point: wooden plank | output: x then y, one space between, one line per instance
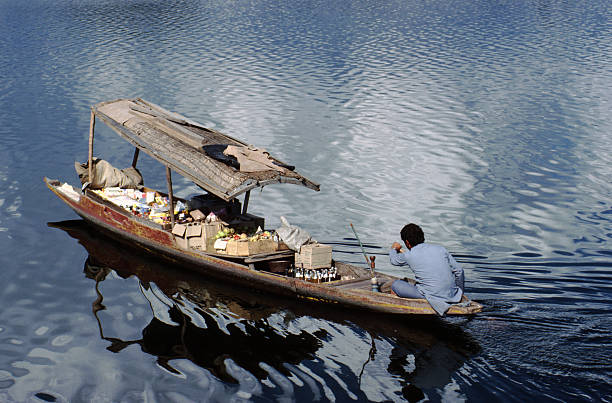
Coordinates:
178 118
214 173
269 256
355 283
119 111
178 133
155 110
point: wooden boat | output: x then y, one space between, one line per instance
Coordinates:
183 146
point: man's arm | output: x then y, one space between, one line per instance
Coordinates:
457 271
397 258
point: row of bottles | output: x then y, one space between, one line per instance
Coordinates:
314 275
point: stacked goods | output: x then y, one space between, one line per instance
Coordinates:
155 207
231 243
313 264
195 235
150 205
236 235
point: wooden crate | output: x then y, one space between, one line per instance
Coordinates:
314 256
244 247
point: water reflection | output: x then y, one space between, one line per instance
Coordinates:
172 334
215 326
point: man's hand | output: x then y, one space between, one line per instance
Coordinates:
397 247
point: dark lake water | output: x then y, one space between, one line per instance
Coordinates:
487 122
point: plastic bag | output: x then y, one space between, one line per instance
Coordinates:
293 236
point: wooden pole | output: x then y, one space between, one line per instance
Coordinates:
92 124
170 196
245 205
135 159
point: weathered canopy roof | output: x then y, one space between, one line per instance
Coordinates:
178 143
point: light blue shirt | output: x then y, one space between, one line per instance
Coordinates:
439 277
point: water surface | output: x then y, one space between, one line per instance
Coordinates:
486 122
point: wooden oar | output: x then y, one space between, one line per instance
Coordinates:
369 262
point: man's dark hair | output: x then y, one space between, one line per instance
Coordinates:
413 234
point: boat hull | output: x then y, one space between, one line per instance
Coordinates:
132 231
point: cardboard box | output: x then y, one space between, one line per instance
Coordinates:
195 235
314 256
209 230
197 215
244 247
210 245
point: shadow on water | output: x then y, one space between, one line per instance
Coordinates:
209 322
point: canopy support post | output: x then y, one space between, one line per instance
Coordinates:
135 159
170 196
92 124
245 205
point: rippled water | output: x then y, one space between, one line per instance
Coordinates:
486 122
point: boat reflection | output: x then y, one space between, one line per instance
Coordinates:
175 333
208 322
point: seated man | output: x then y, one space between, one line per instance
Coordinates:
439 278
